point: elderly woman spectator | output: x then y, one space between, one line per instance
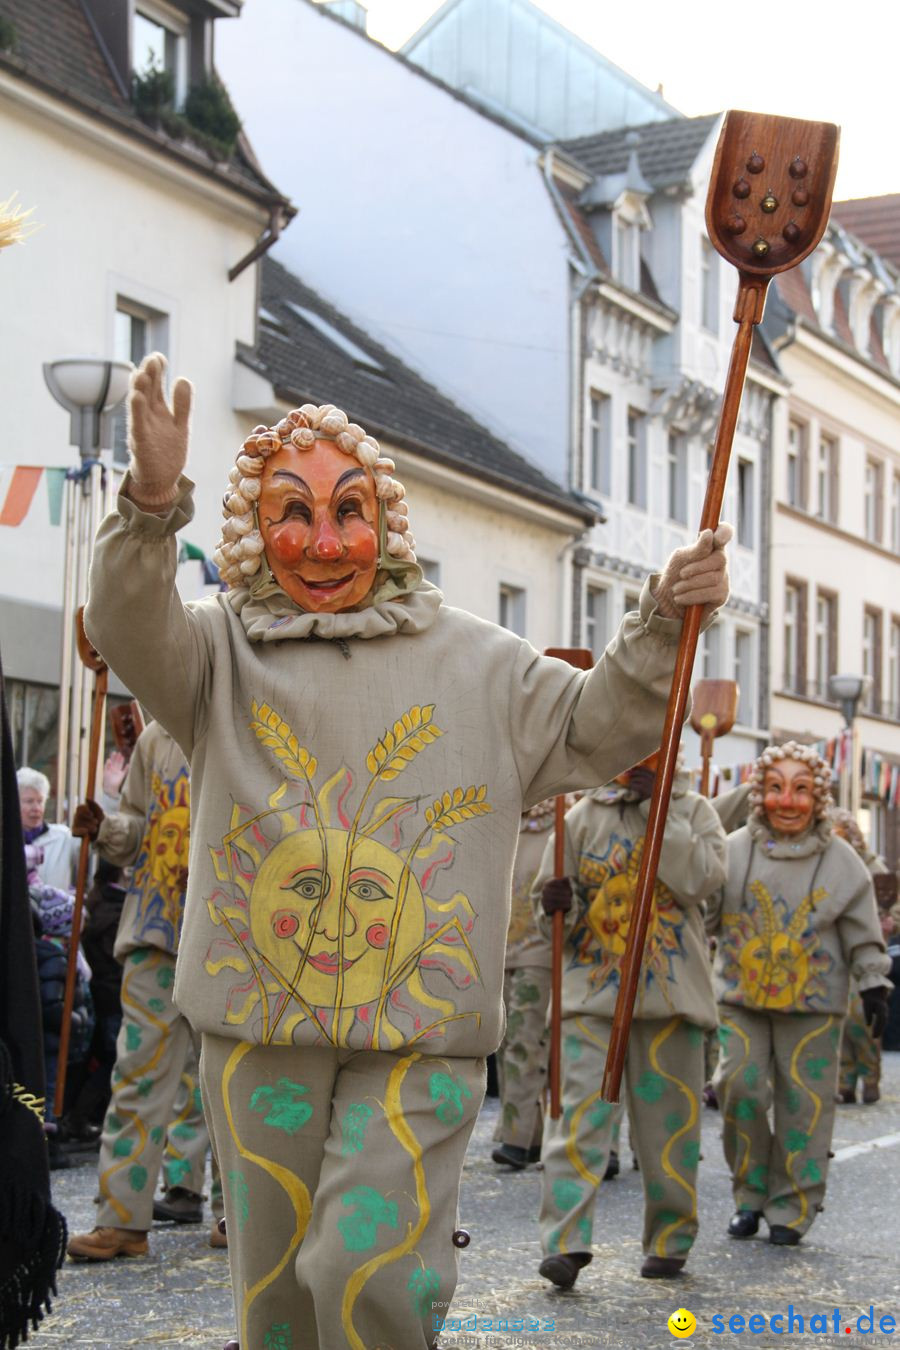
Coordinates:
59 864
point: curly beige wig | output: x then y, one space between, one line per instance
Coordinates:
805 754
239 554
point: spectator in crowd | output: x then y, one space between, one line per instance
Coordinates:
59 862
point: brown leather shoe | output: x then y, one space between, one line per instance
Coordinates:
871 1094
662 1267
102 1244
217 1236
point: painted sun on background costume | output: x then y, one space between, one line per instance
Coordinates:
160 869
326 909
776 961
609 881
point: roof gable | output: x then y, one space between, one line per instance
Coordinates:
666 152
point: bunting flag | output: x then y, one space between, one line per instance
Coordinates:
18 485
192 553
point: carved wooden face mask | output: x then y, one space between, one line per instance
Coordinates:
318 517
789 796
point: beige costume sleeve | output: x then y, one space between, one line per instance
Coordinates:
576 729
121 832
136 620
860 935
693 860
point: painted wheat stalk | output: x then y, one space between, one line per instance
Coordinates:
15 226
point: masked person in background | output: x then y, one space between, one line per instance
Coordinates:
361 755
150 832
795 919
664 1064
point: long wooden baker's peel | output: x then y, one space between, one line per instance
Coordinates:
767 208
583 659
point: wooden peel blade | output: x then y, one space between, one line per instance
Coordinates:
583 659
714 705
767 207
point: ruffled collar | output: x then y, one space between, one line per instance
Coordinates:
815 840
273 617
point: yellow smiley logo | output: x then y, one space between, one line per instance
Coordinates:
682 1323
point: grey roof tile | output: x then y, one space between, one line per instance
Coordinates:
666 152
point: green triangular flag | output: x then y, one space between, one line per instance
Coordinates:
190 553
56 482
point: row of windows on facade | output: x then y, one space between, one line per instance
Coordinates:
821 497
599 627
879 698
599 466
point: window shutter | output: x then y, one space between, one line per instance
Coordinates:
879 503
802 635
833 482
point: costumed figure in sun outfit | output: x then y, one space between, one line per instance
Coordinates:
675 1006
151 830
361 755
795 919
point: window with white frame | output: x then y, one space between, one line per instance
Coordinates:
599 458
137 331
894 670
712 646
677 466
512 609
636 444
709 287
874 491
746 505
827 478
794 636
159 43
743 674
825 633
795 486
872 621
895 512
596 619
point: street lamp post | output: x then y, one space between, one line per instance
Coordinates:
847 690
90 389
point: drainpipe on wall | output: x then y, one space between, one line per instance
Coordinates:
265 241
764 711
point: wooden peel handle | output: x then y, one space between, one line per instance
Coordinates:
559 853
748 312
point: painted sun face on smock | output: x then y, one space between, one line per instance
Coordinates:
160 867
609 883
318 516
295 910
771 957
328 901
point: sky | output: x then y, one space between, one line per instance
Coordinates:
804 58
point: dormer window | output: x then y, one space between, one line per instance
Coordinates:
160 43
630 216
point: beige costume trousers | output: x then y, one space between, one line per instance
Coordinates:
522 1057
341 1172
664 1079
789 1061
153 1044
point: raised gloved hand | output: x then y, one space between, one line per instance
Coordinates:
87 820
641 782
696 575
556 896
875 1010
114 771
157 434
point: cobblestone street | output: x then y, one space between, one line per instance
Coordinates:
180 1294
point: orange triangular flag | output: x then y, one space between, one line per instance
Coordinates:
21 491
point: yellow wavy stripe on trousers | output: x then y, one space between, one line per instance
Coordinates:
405 1137
124 1213
572 1151
817 1111
741 1171
297 1191
655 1045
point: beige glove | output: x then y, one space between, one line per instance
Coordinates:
157 434
696 575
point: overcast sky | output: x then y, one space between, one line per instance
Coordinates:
800 58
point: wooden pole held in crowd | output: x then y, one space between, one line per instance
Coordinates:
767 207
583 658
93 661
714 705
